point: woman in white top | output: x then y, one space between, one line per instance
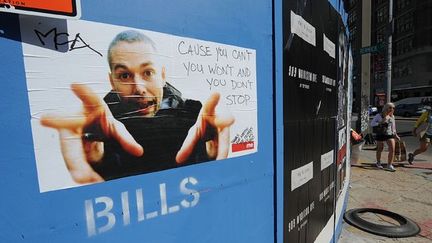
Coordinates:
384 124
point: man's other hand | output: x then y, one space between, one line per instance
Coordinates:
209 117
79 151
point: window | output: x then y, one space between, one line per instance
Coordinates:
402 69
352 33
404 23
380 77
381 35
379 2
382 14
401 4
395 71
404 46
352 17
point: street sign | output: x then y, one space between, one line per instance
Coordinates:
372 49
56 9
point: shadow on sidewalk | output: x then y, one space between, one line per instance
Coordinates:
404 164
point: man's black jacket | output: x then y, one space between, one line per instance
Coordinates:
161 136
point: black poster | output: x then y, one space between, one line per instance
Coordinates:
308 206
310 59
310 99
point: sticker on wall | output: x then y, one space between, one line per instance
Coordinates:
111 101
303 29
329 47
327 159
56 9
301 176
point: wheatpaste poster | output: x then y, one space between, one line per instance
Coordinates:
109 101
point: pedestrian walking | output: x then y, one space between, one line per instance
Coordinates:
422 130
384 126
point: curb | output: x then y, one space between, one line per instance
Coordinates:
355 118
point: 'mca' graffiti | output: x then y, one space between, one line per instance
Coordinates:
76 43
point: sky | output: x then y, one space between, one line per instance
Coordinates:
339 7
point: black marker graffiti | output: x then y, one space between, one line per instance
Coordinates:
77 43
246 136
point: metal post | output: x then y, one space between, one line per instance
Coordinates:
365 74
389 51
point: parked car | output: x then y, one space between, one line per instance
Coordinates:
415 100
408 110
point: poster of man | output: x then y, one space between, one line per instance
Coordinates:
130 102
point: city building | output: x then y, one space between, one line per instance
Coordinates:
354 10
411 68
411 48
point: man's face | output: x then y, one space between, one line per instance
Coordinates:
137 76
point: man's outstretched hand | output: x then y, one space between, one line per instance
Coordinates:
77 151
209 118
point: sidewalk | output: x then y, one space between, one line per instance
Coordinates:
408 192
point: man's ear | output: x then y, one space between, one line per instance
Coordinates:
111 81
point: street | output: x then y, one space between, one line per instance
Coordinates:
406 191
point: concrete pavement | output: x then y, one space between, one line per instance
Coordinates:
408 192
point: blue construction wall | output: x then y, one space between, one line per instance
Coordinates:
228 200
249 196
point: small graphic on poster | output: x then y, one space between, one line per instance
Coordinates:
110 101
244 141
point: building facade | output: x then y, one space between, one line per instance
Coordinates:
411 69
354 10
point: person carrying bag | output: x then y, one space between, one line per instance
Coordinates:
384 126
423 130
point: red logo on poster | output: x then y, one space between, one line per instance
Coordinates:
68 8
243 146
